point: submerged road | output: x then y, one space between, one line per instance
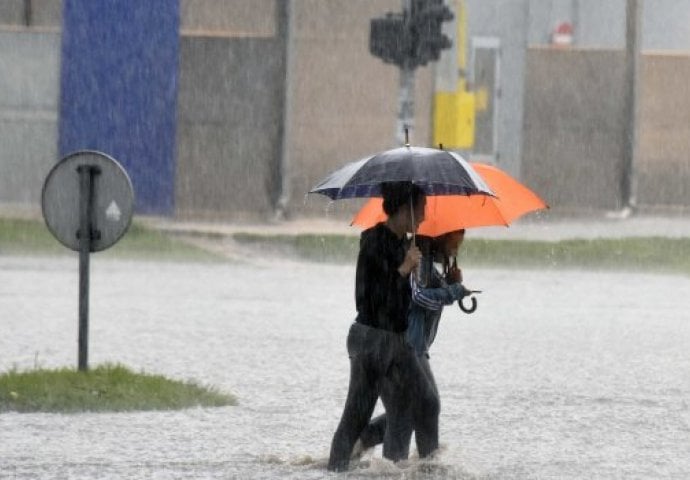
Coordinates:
559 374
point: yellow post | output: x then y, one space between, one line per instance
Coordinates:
454 112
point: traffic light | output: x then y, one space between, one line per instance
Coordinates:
412 38
389 39
427 17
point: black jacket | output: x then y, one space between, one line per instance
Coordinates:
382 296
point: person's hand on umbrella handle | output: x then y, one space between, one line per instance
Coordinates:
454 275
412 260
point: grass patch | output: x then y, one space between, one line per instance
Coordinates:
104 388
659 254
319 248
141 242
22 235
25 236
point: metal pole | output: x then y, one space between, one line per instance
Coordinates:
86 173
285 17
28 13
632 48
575 20
405 104
405 92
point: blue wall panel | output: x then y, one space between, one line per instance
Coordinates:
119 89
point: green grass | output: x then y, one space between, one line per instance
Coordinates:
26 236
144 243
104 388
22 235
321 248
658 254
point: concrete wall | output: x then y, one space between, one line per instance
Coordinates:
663 149
522 23
342 101
574 124
29 66
29 84
596 23
518 24
574 129
508 21
341 105
228 18
665 24
230 107
41 13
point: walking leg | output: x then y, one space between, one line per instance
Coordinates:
360 403
427 407
396 396
374 432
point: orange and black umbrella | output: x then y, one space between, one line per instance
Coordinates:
446 213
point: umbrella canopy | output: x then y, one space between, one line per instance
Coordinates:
447 213
437 172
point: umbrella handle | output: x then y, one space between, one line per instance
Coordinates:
469 309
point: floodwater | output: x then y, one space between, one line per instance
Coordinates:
559 374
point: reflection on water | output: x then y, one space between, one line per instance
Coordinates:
558 374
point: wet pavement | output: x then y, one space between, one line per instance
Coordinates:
565 375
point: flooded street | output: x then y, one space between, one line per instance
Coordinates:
201 130
559 374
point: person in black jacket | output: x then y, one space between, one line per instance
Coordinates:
380 358
430 294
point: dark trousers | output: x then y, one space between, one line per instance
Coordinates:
381 364
425 408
